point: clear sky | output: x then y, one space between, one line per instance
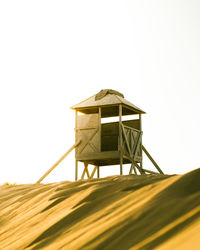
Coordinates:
54 54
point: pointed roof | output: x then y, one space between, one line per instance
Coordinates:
106 98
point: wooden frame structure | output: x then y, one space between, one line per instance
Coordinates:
112 143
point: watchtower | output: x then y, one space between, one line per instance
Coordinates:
110 143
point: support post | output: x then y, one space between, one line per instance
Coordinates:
93 172
132 168
152 160
120 139
99 129
140 118
58 162
76 170
85 171
76 162
98 172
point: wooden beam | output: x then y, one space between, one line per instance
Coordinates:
86 170
76 162
59 161
93 172
76 170
83 174
134 129
152 160
139 168
120 139
150 172
133 168
140 118
135 164
99 129
137 145
126 140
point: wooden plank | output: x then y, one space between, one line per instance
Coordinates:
152 160
89 139
135 163
141 162
130 171
93 172
126 140
76 135
83 174
86 170
132 141
134 129
87 121
58 162
76 170
120 139
94 148
150 172
132 123
137 145
76 162
98 155
139 168
99 125
133 168
80 129
140 122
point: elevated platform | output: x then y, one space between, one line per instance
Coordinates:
105 158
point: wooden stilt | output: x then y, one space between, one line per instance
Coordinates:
59 161
150 172
93 172
83 174
98 172
152 160
120 139
86 170
76 170
140 118
133 168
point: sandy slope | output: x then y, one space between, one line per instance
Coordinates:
118 212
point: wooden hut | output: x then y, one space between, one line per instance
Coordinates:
108 143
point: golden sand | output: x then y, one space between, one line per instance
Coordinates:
118 212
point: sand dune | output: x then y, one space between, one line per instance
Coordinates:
118 212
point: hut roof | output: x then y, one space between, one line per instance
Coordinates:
107 98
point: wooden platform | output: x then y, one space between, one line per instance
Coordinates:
103 158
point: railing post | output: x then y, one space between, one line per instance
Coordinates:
120 139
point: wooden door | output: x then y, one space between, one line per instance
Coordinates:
89 133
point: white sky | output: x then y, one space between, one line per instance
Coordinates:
54 54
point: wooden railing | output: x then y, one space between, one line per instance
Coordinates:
131 141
